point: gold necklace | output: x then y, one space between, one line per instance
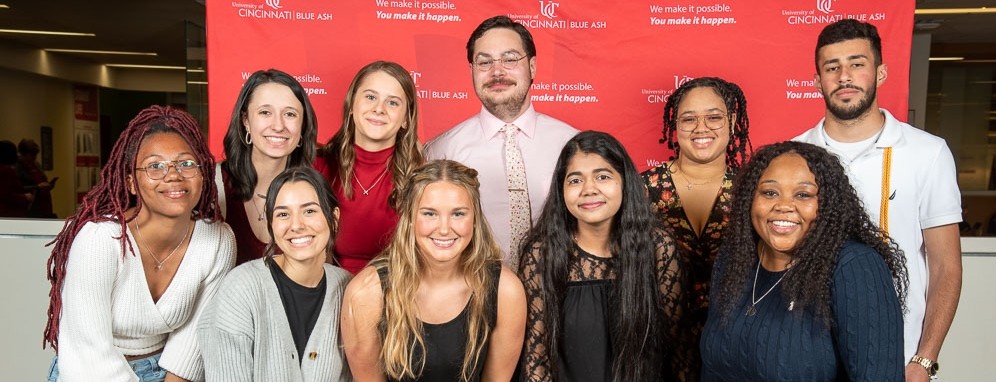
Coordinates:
688 183
366 191
159 264
255 207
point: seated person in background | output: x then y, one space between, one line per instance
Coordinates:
133 268
376 149
438 305
277 318
14 200
34 180
806 287
604 286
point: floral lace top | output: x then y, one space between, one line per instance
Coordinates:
585 345
697 252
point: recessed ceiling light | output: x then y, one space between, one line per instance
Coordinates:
192 70
146 66
25 31
946 58
100 52
197 82
953 11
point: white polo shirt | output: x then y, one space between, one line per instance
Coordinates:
923 194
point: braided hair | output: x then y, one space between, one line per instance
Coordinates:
109 199
739 146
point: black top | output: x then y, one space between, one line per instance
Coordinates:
301 304
589 308
776 344
446 343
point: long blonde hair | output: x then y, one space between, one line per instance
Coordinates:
407 149
400 328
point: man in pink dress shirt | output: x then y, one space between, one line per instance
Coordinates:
502 59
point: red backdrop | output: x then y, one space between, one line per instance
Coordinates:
605 66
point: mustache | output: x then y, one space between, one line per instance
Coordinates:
848 86
499 81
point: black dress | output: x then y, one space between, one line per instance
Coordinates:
446 343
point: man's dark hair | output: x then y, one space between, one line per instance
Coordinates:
849 29
501 22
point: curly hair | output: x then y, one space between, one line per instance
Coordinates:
408 151
636 299
739 147
238 154
109 199
840 217
400 328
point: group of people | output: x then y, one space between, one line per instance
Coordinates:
25 190
485 255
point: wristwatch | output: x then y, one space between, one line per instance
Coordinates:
929 364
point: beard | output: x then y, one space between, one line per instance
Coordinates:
505 105
853 109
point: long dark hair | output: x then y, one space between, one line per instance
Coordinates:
339 150
840 217
238 154
326 201
636 303
109 199
739 146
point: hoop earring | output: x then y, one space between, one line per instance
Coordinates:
248 139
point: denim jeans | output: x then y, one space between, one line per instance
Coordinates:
147 369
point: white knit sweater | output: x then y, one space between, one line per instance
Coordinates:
108 312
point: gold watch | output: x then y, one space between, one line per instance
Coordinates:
927 363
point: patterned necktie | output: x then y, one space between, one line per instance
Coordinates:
518 196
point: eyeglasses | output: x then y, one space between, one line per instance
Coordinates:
507 62
187 168
688 123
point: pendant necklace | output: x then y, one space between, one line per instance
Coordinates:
751 310
260 216
688 183
366 190
159 264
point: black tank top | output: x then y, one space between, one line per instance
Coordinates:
446 343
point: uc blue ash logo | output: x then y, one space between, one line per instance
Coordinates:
549 9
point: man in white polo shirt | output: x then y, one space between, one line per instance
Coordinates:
906 178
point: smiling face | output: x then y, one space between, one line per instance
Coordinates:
444 222
300 228
785 203
379 111
504 92
274 117
699 109
592 190
848 78
173 196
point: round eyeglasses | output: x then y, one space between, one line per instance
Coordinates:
508 62
187 168
688 123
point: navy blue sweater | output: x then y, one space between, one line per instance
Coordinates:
864 344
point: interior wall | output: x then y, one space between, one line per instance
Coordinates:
32 101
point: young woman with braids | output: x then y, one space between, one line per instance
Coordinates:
806 287
437 305
603 286
277 318
369 159
273 128
706 124
133 267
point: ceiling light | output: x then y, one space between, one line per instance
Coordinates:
145 66
197 82
193 70
101 52
4 6
946 58
953 11
25 31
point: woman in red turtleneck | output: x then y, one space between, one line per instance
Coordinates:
370 157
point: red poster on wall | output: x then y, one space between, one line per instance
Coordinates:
87 138
606 66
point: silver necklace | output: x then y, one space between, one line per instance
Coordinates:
258 212
159 264
751 310
366 190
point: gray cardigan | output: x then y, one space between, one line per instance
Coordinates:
244 334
